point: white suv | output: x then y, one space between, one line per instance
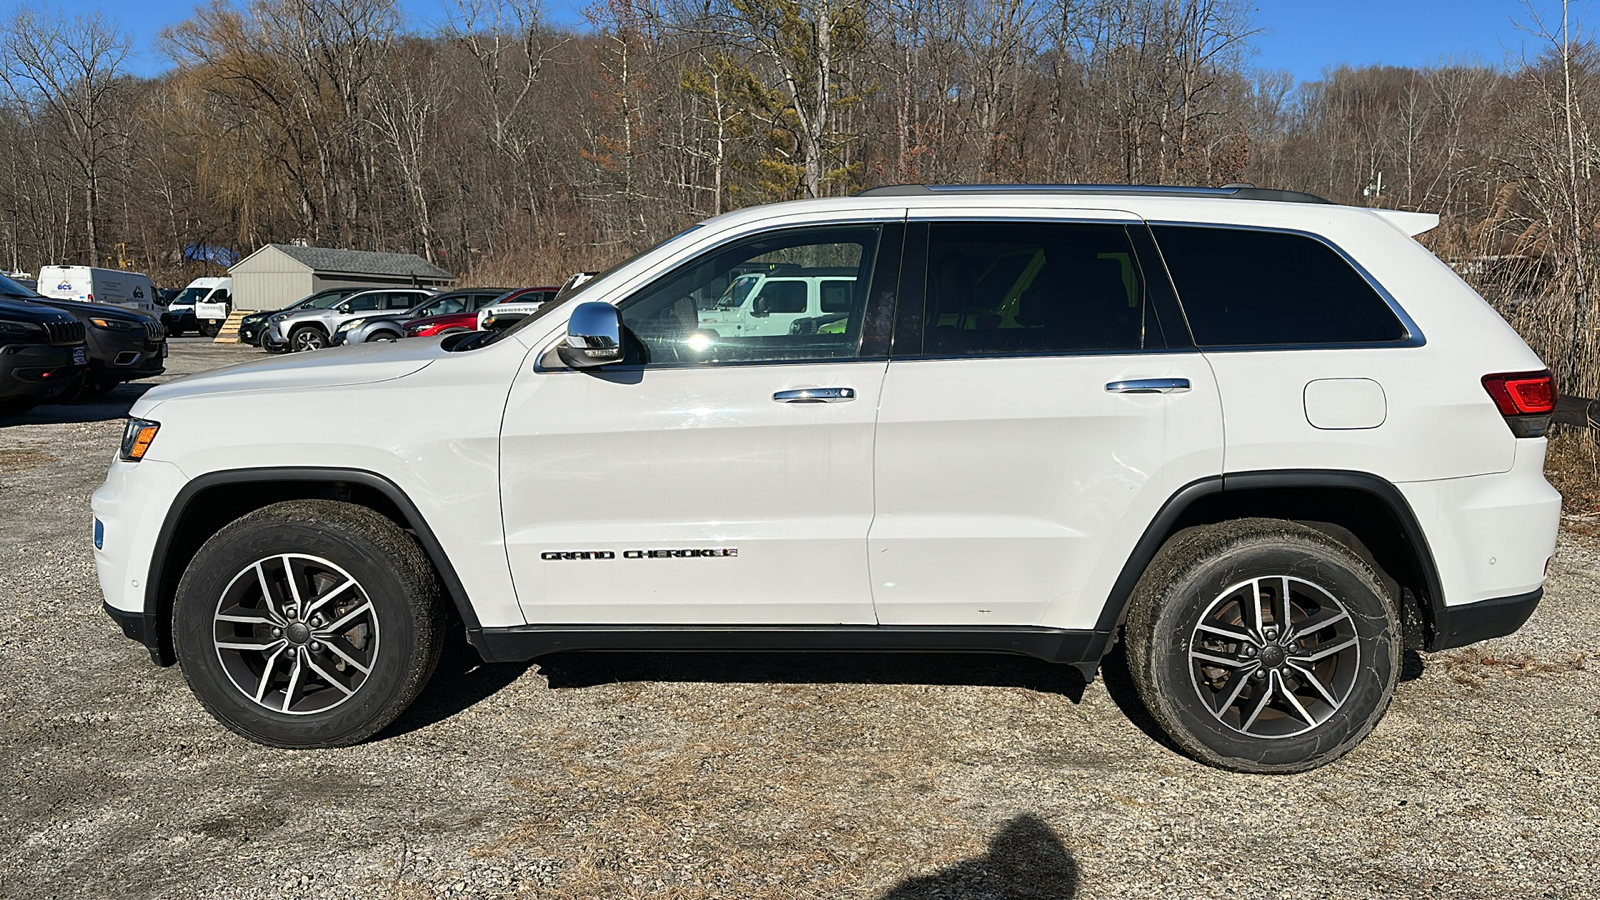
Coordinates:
1268 441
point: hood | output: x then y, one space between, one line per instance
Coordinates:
29 311
83 310
343 366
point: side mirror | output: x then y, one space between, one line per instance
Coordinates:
758 306
594 336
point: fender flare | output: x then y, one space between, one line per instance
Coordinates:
158 608
1171 512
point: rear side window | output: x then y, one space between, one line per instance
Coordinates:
998 288
1241 287
781 297
838 296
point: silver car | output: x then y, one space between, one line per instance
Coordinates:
313 329
391 326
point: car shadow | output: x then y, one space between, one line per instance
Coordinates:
461 680
576 670
1025 858
114 404
1119 687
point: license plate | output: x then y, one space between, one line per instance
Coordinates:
80 356
163 349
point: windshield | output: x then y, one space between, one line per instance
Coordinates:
737 291
443 306
491 337
11 289
188 296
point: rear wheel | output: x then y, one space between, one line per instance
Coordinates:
310 623
1263 646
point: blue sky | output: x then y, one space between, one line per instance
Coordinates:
1304 37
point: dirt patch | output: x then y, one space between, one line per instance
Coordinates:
20 459
1473 666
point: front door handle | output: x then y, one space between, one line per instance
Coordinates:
815 395
1149 386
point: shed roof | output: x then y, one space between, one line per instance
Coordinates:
362 262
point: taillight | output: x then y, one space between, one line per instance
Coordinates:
1526 399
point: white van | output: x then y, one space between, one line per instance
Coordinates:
203 305
130 290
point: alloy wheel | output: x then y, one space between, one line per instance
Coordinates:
1274 656
296 634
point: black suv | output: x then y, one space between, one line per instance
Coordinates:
41 355
123 344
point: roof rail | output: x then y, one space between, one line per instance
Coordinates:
1230 191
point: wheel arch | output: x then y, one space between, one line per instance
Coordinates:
211 501
1359 509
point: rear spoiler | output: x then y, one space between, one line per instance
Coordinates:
1412 223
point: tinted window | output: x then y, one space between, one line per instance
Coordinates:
1010 288
780 297
402 301
1241 287
685 317
837 295
365 302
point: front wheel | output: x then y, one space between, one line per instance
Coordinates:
1261 645
383 337
309 623
307 337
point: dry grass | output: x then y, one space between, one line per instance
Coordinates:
1474 666
1572 464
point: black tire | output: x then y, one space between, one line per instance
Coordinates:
209 329
1348 642
97 387
382 336
398 624
307 337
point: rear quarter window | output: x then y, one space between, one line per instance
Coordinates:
1244 287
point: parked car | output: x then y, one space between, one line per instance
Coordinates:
773 302
509 310
130 290
124 344
42 354
255 328
202 306
432 326
1264 441
311 329
391 326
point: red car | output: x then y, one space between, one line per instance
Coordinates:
437 325
433 326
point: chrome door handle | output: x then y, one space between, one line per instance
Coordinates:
1149 386
815 395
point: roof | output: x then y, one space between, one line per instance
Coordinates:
1233 191
363 262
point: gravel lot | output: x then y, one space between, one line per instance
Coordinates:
751 776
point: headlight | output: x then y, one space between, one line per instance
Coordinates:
115 325
347 326
20 329
136 438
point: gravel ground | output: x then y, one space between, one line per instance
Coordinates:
647 775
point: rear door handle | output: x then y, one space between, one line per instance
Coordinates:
1149 386
815 395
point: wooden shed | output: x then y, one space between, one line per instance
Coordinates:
279 274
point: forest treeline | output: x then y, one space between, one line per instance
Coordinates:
508 150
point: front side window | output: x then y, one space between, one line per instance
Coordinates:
1243 287
1016 288
759 300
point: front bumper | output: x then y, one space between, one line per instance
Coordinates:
37 371
125 356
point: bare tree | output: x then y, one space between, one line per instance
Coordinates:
71 72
